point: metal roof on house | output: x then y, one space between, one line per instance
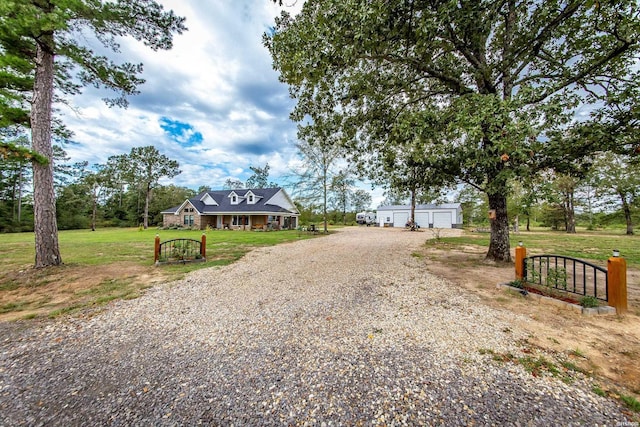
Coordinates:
429 206
224 206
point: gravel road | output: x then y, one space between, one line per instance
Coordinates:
342 330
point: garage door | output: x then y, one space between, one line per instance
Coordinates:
442 220
422 218
400 219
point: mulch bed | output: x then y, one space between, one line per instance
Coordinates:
565 298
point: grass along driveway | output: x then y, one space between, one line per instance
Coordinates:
108 264
592 246
607 347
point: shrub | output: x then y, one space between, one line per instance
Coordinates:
589 301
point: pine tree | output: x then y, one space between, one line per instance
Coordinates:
40 48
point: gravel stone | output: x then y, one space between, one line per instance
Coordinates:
347 329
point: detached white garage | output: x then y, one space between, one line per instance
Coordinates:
448 215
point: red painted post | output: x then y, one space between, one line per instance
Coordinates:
617 280
203 246
156 251
521 254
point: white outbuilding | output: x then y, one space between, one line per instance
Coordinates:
447 215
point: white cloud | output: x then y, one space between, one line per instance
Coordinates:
217 81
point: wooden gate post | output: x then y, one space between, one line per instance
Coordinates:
617 282
203 246
521 254
156 251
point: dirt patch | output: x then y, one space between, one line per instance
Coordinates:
36 292
606 346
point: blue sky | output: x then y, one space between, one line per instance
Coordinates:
213 102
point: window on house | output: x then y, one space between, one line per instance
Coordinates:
237 220
188 220
250 198
234 199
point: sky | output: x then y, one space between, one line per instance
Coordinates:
213 102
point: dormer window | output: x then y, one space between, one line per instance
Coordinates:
251 198
234 198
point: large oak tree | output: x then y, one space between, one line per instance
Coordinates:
45 52
502 72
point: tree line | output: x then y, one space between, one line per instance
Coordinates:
118 192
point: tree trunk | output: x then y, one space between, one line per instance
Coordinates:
571 214
94 210
627 214
325 174
499 249
44 200
20 196
146 207
413 209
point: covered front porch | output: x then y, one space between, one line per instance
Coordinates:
249 222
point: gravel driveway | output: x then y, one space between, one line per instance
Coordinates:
342 330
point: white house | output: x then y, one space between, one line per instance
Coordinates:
448 215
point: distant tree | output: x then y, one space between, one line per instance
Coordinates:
81 191
73 206
523 198
342 192
618 176
15 176
165 196
64 171
98 183
203 188
361 200
145 166
233 184
566 186
42 44
116 167
260 178
474 207
320 156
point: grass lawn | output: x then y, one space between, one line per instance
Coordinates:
594 246
107 264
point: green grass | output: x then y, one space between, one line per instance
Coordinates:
109 245
537 366
631 402
82 249
592 245
596 389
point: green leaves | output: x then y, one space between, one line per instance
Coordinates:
467 90
72 22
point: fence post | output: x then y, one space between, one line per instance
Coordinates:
203 246
617 282
156 251
521 254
